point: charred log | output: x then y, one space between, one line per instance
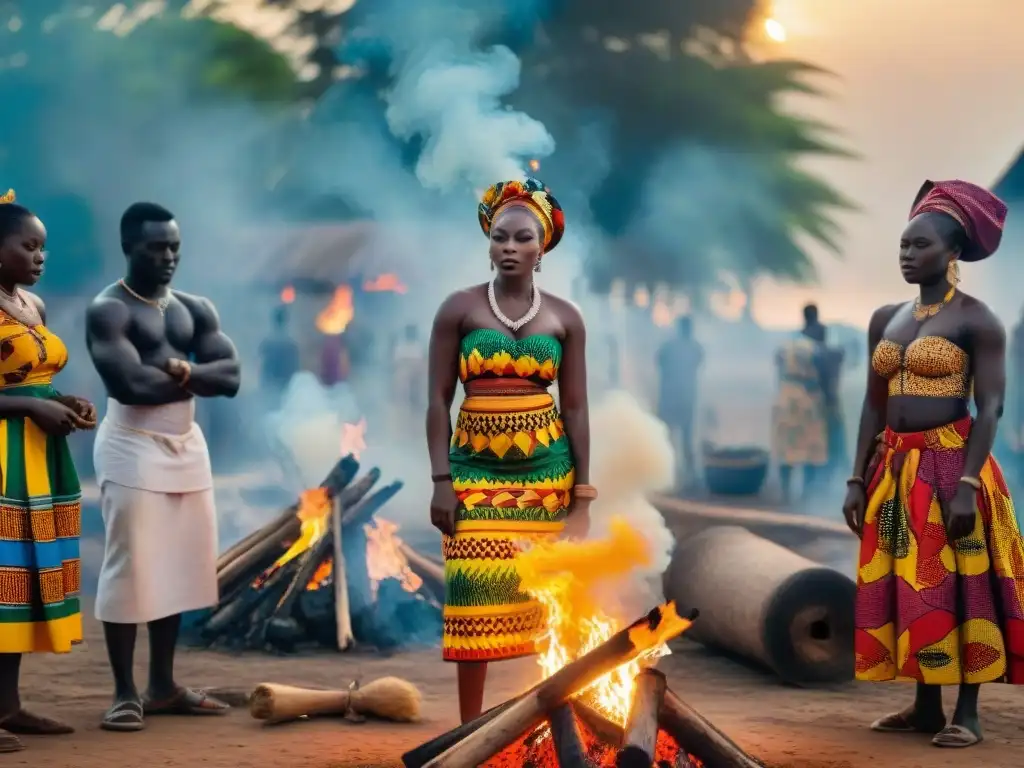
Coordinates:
641 738
565 734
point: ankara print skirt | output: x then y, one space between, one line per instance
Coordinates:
928 610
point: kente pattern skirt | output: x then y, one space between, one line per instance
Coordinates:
40 526
927 610
513 473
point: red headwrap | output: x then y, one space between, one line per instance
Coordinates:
977 210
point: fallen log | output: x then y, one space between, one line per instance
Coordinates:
697 736
424 753
342 614
788 613
658 627
641 737
565 735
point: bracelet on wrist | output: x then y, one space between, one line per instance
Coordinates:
442 477
855 480
584 491
974 482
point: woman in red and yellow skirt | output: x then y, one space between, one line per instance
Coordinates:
940 585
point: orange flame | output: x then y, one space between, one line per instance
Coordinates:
313 513
641 297
353 439
564 576
287 294
336 316
535 165
386 283
384 558
662 314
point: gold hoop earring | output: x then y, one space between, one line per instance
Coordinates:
953 272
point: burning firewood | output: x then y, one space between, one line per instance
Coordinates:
641 738
427 751
427 569
565 734
688 727
389 698
658 627
254 553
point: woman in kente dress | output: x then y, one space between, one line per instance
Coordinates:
514 469
40 516
940 585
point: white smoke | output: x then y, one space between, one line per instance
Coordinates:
631 456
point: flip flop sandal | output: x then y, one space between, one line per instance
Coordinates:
896 723
956 737
187 702
9 742
26 724
124 716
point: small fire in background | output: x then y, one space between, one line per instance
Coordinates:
335 317
641 297
288 295
535 165
662 314
313 512
353 438
384 558
386 283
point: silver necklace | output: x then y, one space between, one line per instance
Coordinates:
513 325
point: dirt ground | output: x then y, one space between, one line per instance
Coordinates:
782 726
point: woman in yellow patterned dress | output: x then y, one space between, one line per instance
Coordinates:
40 515
513 469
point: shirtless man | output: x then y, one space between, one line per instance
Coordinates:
156 350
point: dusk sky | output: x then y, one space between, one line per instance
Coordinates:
926 89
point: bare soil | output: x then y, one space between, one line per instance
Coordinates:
783 726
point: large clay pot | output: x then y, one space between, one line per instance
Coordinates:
735 471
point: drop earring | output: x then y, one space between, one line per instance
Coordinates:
537 268
492 266
953 273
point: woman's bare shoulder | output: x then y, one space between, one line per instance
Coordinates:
568 311
979 314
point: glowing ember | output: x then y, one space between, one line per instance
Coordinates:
641 297
321 575
775 30
287 295
384 558
565 576
353 439
313 513
535 165
386 283
336 316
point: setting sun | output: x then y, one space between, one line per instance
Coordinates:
774 29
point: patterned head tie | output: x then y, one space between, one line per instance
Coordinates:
8 198
530 194
978 211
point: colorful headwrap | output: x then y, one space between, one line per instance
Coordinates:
530 194
8 198
977 210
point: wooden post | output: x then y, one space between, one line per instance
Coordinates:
341 610
641 740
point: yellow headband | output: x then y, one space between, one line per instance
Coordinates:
544 217
8 198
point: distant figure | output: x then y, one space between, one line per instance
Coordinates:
800 415
679 362
409 362
833 367
279 355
